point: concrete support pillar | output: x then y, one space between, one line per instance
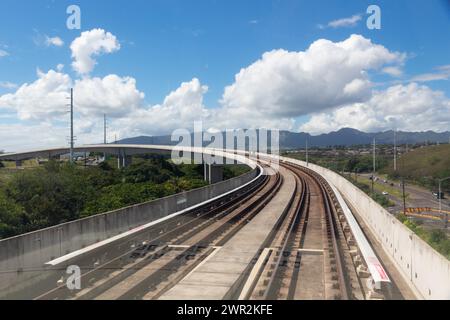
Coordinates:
127 160
213 173
119 159
206 172
123 160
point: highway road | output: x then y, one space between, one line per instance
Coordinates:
417 197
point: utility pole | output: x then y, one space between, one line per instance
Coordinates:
104 129
404 196
71 126
336 157
307 158
440 202
104 134
440 196
374 164
374 155
395 150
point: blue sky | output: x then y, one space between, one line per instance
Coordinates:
166 42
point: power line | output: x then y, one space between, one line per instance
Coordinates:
307 158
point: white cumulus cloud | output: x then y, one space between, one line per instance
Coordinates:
331 81
90 44
113 95
46 98
179 109
285 84
407 107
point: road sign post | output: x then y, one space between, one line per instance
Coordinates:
440 202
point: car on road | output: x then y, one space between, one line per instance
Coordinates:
438 195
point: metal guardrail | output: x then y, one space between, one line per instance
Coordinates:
426 209
424 216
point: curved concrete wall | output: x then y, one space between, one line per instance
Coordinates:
23 256
427 271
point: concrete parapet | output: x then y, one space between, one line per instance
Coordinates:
213 173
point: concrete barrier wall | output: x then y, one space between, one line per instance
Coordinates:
23 256
427 271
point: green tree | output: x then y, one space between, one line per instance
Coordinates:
12 217
49 195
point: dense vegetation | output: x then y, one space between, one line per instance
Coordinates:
55 193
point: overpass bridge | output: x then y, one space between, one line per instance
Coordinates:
285 230
123 153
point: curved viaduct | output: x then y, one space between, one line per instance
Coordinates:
245 225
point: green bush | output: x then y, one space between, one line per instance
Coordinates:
12 217
438 239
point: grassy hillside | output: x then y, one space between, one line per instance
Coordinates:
424 166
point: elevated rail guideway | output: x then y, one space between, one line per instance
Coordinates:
286 230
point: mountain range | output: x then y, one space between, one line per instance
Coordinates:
342 137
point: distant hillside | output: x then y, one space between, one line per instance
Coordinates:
343 137
424 165
159 140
